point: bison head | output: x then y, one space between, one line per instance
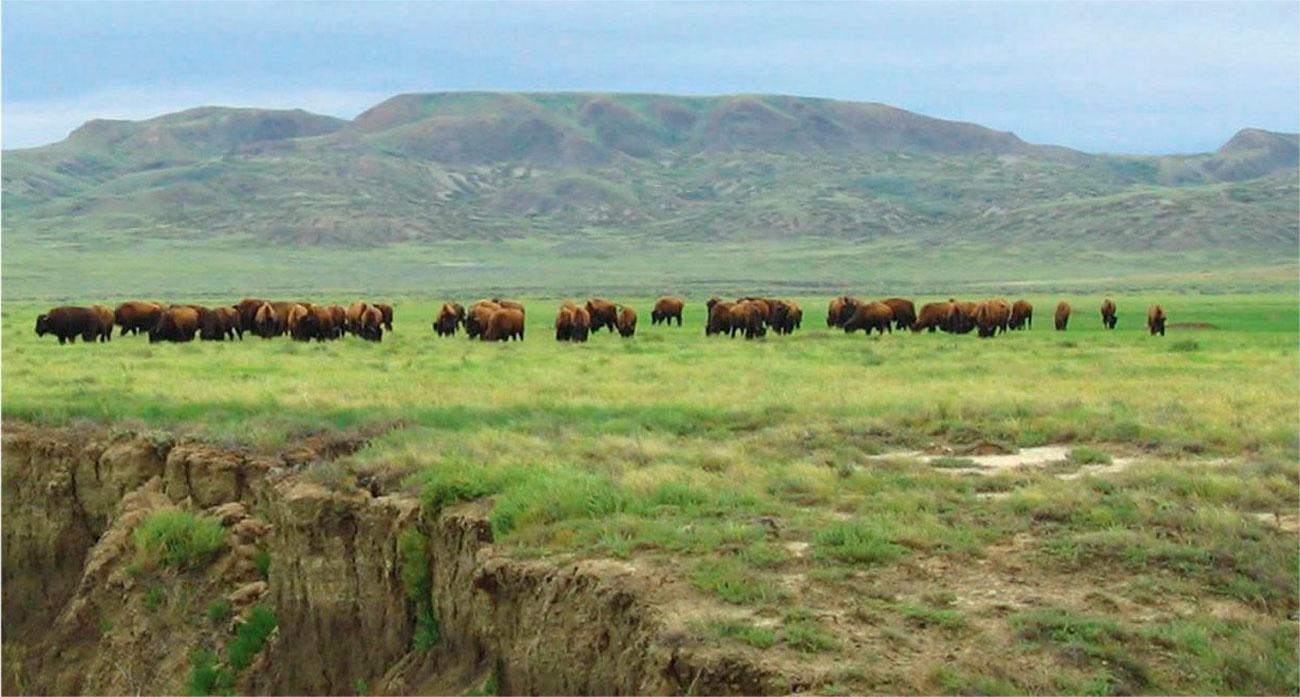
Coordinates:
42 325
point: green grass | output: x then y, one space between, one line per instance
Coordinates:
744 632
250 637
219 611
1087 455
179 539
206 677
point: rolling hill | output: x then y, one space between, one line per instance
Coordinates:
555 173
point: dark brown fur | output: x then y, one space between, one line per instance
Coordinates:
1156 320
666 310
1108 316
505 324
604 314
136 316
904 312
626 322
1062 315
177 323
1022 315
869 316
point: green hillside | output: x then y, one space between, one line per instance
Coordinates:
696 188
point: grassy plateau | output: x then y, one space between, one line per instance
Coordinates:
787 482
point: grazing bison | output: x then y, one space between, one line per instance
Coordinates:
1108 318
447 320
719 317
904 312
1156 320
626 322
1022 315
992 317
371 324
764 307
962 319
476 321
266 322
211 327
69 322
869 316
299 322
247 309
339 320
323 321
934 316
1062 315
177 323
231 321
136 316
505 324
666 310
747 317
783 318
386 311
581 324
564 322
604 314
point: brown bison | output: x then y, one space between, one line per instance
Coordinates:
177 323
266 322
581 324
719 317
666 310
247 309
448 318
934 316
353 314
386 311
626 322
764 307
869 316
299 322
1022 315
339 320
840 310
1108 318
230 319
904 312
1062 315
1156 320
211 326
370 326
476 321
604 314
962 319
136 316
69 322
323 322
747 317
564 322
104 318
992 317
786 316
505 324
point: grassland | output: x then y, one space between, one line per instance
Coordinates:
777 479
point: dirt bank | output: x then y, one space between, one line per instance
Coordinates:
83 616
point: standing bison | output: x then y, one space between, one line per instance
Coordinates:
1062 315
177 323
68 322
934 316
449 316
1108 318
747 318
719 317
1156 320
604 314
869 316
564 322
840 310
581 324
962 319
1022 315
476 320
266 321
904 312
135 316
505 324
992 317
666 310
786 316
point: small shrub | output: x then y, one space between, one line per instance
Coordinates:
154 597
262 561
362 687
250 637
427 631
734 582
949 462
856 543
219 611
809 638
925 616
758 637
180 539
206 678
1185 346
1086 455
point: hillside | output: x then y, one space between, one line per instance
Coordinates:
566 171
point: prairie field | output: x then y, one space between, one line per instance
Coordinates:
827 497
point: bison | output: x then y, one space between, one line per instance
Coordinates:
69 322
581 324
370 326
211 326
1062 315
719 321
505 324
1156 320
904 312
267 322
386 311
626 322
176 323
247 309
934 316
962 319
747 317
840 310
604 314
1108 318
1022 315
447 320
992 317
869 316
564 322
666 310
136 316
476 321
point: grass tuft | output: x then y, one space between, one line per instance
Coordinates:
180 539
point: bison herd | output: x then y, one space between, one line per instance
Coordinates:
503 320
302 321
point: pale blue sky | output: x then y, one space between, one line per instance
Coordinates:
1131 77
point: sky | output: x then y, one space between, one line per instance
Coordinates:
1141 78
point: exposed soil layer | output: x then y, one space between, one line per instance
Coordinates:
84 616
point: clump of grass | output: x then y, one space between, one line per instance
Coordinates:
759 637
1185 346
949 462
928 616
219 611
180 539
154 598
1088 455
856 543
262 562
413 552
803 632
206 678
250 637
734 582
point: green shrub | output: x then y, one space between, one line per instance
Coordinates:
926 616
759 637
856 543
154 597
250 637
734 582
427 631
206 678
808 637
180 539
949 462
219 611
262 561
1086 455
